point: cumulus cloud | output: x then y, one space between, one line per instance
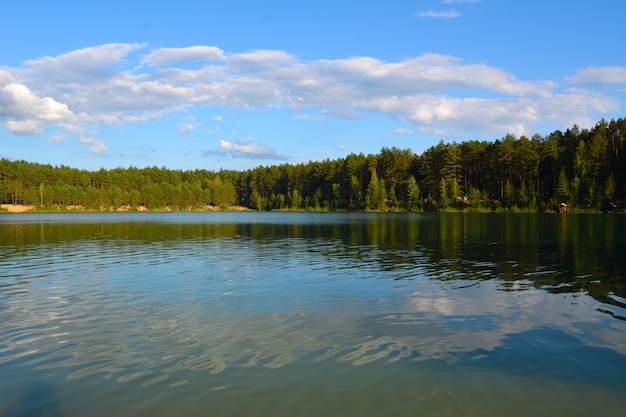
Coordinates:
247 149
25 113
108 84
24 127
6 77
18 101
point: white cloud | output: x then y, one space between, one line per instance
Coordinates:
438 93
245 149
24 127
599 76
96 146
6 77
573 107
57 138
309 116
432 130
186 127
401 131
25 113
169 56
443 14
71 70
260 60
18 101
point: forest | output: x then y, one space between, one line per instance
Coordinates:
584 169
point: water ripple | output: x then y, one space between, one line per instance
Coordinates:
156 313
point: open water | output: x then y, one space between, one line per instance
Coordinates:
312 314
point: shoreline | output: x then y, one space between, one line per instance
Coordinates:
23 208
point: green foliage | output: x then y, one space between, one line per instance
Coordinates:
584 168
376 196
414 202
562 188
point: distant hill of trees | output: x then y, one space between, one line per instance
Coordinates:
586 169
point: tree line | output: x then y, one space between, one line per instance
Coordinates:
585 169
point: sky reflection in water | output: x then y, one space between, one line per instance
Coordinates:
156 300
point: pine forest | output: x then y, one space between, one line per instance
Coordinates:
583 170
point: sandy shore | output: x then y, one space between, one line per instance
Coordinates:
16 208
20 208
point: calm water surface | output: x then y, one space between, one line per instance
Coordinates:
302 314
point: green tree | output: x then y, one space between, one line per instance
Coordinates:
134 197
257 201
356 193
414 202
477 199
376 195
296 199
562 188
443 200
15 189
508 198
523 196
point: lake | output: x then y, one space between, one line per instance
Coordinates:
312 314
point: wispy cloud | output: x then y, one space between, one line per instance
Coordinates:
186 127
442 14
169 56
400 132
95 146
309 116
599 76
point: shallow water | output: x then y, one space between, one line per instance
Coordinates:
303 314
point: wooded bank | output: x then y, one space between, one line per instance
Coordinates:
585 169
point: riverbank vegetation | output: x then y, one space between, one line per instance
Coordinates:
577 170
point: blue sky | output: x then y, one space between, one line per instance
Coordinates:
238 84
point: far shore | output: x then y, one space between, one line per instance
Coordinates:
21 208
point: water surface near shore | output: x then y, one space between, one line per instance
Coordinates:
308 314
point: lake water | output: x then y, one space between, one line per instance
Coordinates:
312 314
